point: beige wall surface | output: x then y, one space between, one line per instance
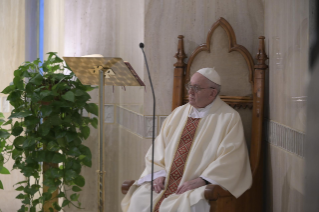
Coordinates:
285 173
53 27
11 39
287 38
11 56
287 41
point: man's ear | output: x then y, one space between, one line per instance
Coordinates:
214 93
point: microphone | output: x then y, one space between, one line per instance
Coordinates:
153 134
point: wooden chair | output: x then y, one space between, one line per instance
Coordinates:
221 200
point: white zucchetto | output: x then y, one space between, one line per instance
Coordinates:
211 74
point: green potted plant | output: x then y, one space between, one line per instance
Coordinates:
5 147
49 129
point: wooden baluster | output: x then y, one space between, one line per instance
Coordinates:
179 74
256 152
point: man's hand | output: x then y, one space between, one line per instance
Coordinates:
158 184
190 185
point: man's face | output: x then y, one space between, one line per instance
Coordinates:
203 97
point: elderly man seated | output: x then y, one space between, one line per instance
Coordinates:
200 143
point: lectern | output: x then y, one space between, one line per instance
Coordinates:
103 71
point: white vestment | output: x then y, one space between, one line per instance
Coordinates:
218 154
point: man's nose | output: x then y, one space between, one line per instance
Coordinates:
191 91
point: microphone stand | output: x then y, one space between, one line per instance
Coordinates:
153 134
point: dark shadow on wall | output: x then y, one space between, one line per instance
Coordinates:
311 203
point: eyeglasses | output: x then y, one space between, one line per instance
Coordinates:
195 88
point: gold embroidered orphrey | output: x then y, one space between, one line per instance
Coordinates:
177 169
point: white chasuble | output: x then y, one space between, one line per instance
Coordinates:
218 152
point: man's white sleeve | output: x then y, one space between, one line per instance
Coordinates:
148 177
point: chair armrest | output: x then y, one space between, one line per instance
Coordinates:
126 186
213 192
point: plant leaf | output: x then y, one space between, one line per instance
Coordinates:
58 158
70 175
22 114
45 128
19 141
68 96
20 196
14 96
85 151
94 122
61 142
20 188
4 134
74 152
37 79
45 93
4 170
46 110
70 136
65 203
74 197
76 189
39 156
79 181
1 185
31 122
53 146
2 121
56 206
61 194
53 120
8 122
16 153
18 83
16 130
92 108
8 89
55 173
85 131
85 160
29 142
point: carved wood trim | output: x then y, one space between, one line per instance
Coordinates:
126 186
235 102
233 46
238 101
178 84
214 192
258 104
